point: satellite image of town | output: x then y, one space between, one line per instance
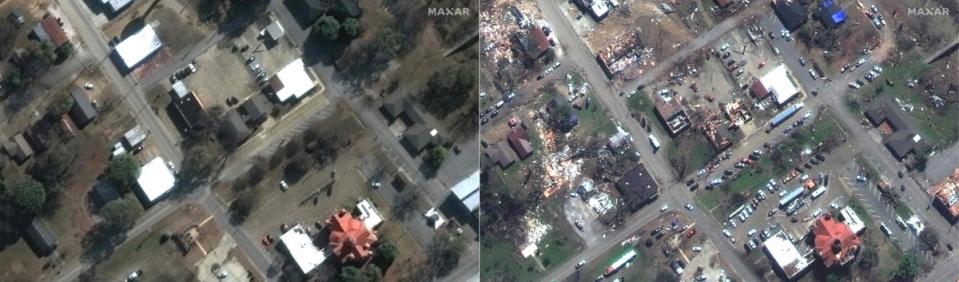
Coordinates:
719 140
239 140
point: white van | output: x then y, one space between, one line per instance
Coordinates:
654 142
751 232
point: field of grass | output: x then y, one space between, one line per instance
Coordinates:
709 201
639 102
688 152
502 259
595 121
860 210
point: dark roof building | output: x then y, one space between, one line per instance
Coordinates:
500 154
402 110
103 192
49 29
234 130
723 3
536 44
758 90
791 13
899 133
188 110
519 141
254 110
672 115
40 238
419 137
829 14
82 112
637 187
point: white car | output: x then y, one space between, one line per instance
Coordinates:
727 233
688 206
135 275
663 208
284 186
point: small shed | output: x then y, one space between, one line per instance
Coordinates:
18 148
40 238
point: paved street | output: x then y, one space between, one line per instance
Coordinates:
162 135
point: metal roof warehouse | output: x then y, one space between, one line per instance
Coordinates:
134 49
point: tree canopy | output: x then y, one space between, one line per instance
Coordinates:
28 194
448 89
351 27
120 214
328 28
123 171
369 273
433 160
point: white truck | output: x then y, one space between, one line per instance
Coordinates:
654 142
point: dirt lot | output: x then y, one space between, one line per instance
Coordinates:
930 31
661 33
161 259
221 75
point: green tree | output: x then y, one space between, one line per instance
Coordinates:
28 194
123 171
243 204
448 89
384 254
351 27
120 214
929 239
444 254
328 28
868 257
370 273
908 267
432 161
63 52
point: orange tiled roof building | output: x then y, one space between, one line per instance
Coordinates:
350 240
836 244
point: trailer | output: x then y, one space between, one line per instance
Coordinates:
784 115
818 192
791 196
620 262
654 142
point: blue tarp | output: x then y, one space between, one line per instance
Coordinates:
839 17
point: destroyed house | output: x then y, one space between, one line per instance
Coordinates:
671 114
947 196
637 187
615 57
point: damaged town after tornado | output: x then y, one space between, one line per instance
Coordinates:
479 140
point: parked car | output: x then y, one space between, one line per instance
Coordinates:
284 186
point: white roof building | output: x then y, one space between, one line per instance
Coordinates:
134 137
368 213
852 220
134 49
293 81
155 179
785 256
467 191
116 5
179 87
274 30
778 83
306 255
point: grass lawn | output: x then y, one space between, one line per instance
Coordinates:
903 211
708 201
18 263
688 153
639 102
860 210
556 249
502 259
594 121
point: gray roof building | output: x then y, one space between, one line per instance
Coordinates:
40 238
82 112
